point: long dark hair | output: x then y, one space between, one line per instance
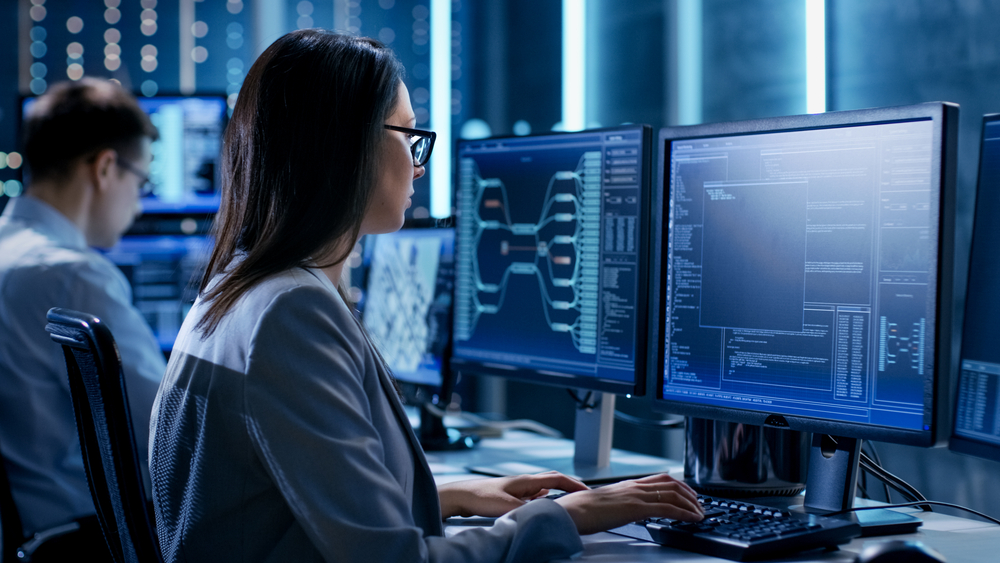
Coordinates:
300 158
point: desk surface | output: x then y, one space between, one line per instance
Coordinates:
959 539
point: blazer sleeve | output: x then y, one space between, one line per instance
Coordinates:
309 419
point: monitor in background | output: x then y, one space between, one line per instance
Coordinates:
406 308
165 252
805 280
977 407
185 168
551 272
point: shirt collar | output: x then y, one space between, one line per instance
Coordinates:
45 218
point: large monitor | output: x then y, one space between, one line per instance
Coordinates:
977 408
552 265
804 279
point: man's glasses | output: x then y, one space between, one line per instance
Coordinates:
421 143
146 187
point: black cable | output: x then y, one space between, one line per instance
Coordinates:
586 403
881 472
878 461
906 504
904 488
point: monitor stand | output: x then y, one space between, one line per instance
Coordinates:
593 461
436 437
832 483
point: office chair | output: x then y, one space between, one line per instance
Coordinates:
11 534
104 424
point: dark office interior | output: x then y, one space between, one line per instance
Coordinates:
656 62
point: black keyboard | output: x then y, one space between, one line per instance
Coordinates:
743 531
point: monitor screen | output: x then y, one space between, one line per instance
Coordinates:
551 260
805 275
185 167
406 305
977 409
164 271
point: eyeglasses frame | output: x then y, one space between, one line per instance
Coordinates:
416 133
146 187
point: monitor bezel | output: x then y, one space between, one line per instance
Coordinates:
957 442
637 387
944 116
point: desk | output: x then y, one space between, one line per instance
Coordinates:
961 540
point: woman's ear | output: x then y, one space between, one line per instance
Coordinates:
103 166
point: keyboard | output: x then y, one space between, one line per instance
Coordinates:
744 531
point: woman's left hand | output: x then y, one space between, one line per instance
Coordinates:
496 497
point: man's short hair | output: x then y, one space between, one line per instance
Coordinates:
75 119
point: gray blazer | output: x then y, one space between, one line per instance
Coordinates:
280 438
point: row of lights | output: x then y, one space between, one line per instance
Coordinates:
13 160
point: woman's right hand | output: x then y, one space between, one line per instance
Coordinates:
656 496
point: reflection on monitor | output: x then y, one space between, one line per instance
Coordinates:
185 167
407 302
805 276
551 271
977 411
164 271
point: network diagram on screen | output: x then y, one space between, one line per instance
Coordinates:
799 266
548 252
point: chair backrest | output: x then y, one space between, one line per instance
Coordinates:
104 424
11 534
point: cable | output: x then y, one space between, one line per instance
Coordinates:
906 504
908 491
586 403
878 461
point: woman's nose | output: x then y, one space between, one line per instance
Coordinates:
418 171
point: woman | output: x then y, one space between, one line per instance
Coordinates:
278 434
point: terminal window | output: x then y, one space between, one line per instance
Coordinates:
799 265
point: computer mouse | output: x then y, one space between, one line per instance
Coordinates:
899 551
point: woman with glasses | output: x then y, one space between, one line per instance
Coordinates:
278 433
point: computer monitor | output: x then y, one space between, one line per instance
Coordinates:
406 307
185 170
552 267
804 279
164 253
977 407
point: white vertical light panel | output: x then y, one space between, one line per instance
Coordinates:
689 62
440 169
574 65
186 45
815 56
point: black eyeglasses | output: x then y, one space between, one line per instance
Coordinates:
421 143
146 187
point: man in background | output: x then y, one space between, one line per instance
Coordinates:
87 148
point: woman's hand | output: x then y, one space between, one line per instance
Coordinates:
656 496
496 497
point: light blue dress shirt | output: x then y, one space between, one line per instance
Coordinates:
44 263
